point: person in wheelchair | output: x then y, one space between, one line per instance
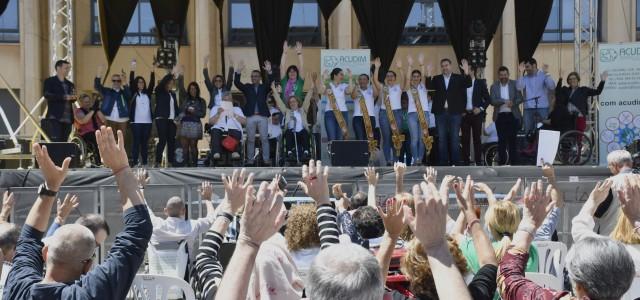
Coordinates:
226 132
295 119
87 119
560 119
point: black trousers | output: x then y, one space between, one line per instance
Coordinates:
166 137
471 124
217 136
56 130
303 141
507 126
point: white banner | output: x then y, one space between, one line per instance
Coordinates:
619 113
358 60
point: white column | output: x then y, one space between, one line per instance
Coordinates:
340 26
30 57
509 42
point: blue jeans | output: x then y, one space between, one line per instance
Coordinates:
359 128
141 134
417 146
448 126
331 125
530 118
385 128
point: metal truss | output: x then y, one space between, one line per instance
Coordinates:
61 35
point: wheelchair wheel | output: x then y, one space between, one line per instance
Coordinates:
575 148
491 157
83 149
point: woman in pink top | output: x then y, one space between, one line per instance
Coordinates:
88 118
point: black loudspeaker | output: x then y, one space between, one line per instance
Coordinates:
59 151
349 153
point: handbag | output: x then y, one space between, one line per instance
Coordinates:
230 143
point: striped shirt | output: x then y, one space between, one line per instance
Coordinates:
328 225
207 271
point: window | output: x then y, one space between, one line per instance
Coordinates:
304 25
560 26
142 28
425 25
10 23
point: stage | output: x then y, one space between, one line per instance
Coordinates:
98 193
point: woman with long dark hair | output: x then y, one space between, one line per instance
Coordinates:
390 93
219 85
192 109
141 116
577 97
292 81
165 112
336 110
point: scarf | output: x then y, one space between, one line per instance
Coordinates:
289 89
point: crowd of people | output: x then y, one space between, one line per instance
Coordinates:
343 249
406 115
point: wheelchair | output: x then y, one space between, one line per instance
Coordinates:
87 151
286 160
225 157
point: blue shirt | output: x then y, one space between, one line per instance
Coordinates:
109 280
537 85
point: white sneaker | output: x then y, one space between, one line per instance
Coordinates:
235 155
216 156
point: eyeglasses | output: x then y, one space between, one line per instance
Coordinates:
116 80
218 80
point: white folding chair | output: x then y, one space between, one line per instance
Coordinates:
168 259
544 280
634 291
157 287
551 258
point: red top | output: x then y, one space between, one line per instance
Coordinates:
513 285
88 127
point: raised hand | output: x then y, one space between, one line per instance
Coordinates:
8 201
267 66
604 76
431 175
142 177
466 198
600 192
314 182
483 187
399 168
53 175
349 74
445 185
343 203
206 61
314 77
64 207
548 171
240 66
337 192
376 62
392 219
235 189
545 68
429 222
298 48
521 68
537 204
264 214
133 64
285 46
399 64
409 60
465 66
206 190
511 195
371 175
429 69
421 58
113 154
630 199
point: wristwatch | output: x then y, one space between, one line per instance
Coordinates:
44 191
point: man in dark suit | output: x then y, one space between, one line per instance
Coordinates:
449 103
59 93
472 118
506 100
256 109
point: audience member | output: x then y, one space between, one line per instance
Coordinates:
68 254
9 233
302 235
620 163
255 109
141 114
60 93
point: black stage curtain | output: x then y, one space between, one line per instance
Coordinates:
382 22
3 6
170 11
115 16
327 7
458 16
220 5
531 19
271 27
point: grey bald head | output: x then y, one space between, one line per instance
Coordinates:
72 245
174 207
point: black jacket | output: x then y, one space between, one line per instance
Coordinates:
213 91
252 97
580 98
134 94
163 98
480 97
54 93
455 95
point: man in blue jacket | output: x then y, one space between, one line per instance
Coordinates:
115 103
60 94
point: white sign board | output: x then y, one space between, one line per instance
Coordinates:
619 112
358 60
547 151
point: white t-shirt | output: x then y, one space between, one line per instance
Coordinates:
339 93
395 93
218 98
114 116
504 94
275 130
368 100
172 111
424 99
470 95
143 111
432 117
226 122
492 134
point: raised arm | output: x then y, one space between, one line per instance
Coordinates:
372 179
312 92
276 95
603 78
399 169
283 59
350 87
236 78
314 184
393 227
407 77
401 78
205 73
132 75
429 226
97 82
300 59
62 212
7 206
583 223
376 74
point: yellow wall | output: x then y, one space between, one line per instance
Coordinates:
618 25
